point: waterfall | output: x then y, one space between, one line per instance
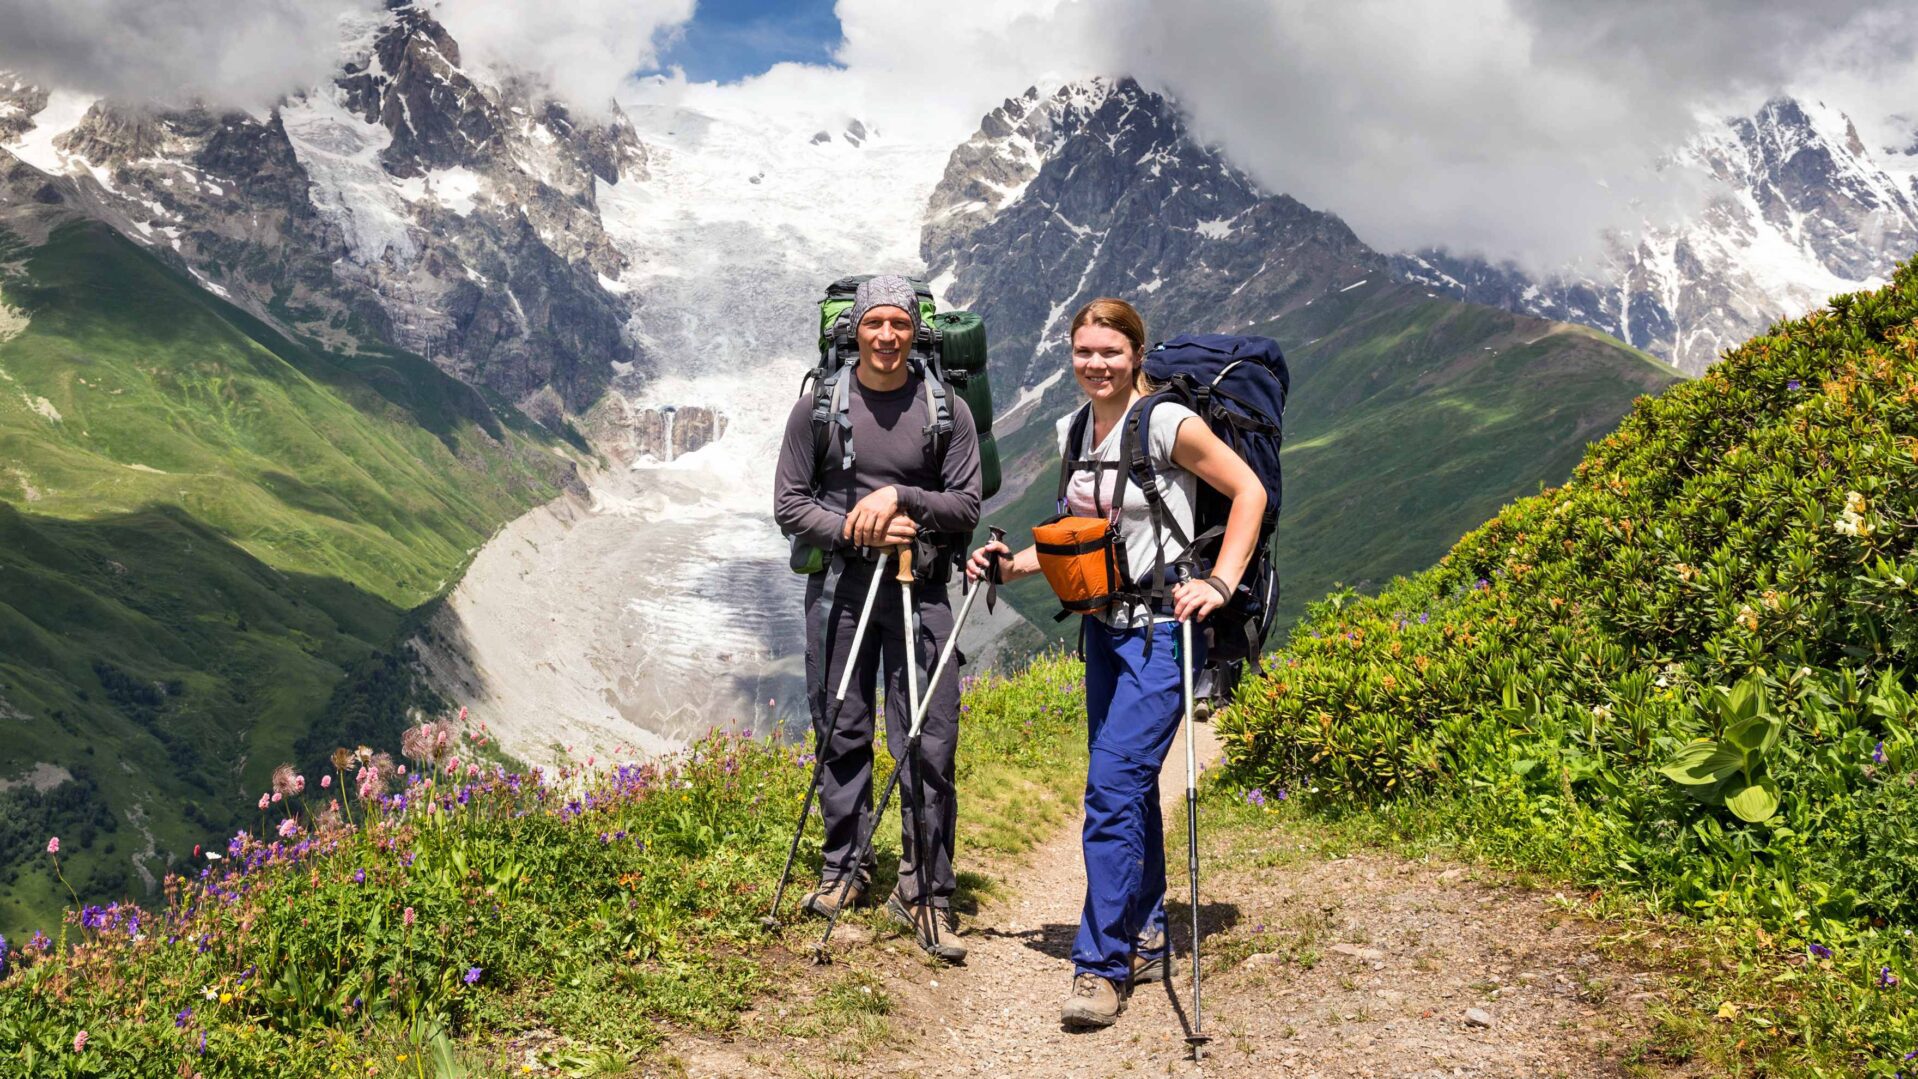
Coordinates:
671 414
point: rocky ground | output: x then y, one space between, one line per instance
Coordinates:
1317 964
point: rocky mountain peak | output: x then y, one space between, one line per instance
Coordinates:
1098 188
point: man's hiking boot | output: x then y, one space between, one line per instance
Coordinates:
919 921
1095 1002
1150 968
827 899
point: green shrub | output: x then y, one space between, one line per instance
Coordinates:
1687 672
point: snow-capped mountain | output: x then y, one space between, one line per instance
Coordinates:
448 210
1098 189
1800 209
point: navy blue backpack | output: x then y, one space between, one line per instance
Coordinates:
1238 386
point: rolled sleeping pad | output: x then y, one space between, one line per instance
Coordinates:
988 467
963 347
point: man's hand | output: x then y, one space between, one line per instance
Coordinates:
901 529
869 521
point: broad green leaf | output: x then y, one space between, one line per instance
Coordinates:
1703 763
1754 735
1755 802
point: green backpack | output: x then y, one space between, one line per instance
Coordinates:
950 352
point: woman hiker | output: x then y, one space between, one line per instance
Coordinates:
896 489
1134 698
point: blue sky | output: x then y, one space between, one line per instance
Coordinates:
729 40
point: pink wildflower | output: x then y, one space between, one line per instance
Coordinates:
472 771
453 767
289 828
265 800
407 916
80 1041
276 797
462 713
326 782
53 845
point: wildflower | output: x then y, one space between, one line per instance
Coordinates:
359 876
265 800
212 856
1255 797
1819 951
1794 385
286 782
80 1042
184 1017
1878 754
53 845
472 976
326 782
407 916
3 955
1886 979
289 828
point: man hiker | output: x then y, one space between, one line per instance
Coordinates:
905 485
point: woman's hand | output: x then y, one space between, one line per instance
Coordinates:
980 564
1195 600
868 522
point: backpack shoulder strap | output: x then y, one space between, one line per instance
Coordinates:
1075 437
939 415
831 410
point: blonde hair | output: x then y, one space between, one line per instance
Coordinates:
1124 319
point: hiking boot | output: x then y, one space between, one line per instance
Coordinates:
1095 1002
918 920
1150 958
830 898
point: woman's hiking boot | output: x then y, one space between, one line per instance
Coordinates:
1094 1002
918 919
1150 958
830 897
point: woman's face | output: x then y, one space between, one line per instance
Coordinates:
1102 361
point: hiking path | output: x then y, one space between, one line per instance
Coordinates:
1361 964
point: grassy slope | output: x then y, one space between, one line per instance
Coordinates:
1411 419
217 526
1756 528
584 915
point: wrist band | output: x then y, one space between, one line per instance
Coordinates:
1219 587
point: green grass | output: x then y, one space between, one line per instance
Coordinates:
1411 420
602 910
209 554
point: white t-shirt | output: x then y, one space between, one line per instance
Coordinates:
1177 487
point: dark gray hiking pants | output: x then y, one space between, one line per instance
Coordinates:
833 600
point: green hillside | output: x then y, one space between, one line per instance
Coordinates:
1687 674
204 527
1411 419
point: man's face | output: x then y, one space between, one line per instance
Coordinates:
885 339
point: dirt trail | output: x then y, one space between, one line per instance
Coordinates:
1364 965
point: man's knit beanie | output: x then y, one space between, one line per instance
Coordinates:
886 290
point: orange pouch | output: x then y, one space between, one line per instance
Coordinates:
1075 554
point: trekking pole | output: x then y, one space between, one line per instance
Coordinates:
771 920
1197 1038
912 749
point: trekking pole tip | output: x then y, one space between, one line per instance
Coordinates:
821 957
769 923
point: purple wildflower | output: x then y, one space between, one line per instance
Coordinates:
184 1017
472 976
1886 979
1878 754
359 876
1819 951
1795 385
1255 797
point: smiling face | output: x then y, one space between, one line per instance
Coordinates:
1104 362
885 340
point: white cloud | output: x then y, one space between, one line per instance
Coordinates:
586 49
242 53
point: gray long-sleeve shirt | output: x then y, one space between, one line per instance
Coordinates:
890 447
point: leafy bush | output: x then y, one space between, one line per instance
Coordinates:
1687 672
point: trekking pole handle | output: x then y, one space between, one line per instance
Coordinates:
998 536
904 576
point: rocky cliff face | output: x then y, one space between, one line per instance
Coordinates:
1098 189
450 211
1801 210
633 433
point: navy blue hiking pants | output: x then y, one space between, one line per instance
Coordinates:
1133 709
